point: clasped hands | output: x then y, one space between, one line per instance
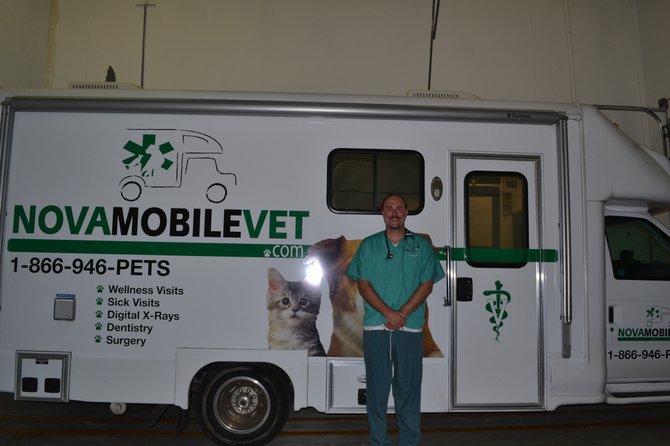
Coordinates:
395 320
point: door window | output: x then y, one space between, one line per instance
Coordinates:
638 249
496 219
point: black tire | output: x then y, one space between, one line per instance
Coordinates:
242 406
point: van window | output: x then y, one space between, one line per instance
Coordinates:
496 219
359 179
638 249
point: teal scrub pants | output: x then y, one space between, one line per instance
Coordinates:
393 360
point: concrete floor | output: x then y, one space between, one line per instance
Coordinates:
44 424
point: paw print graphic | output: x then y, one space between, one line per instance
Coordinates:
99 301
267 253
100 288
98 338
98 314
98 326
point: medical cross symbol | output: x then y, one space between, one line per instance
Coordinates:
141 154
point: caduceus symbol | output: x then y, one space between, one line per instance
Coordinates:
497 306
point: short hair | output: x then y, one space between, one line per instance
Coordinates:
392 194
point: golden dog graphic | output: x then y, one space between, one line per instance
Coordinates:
334 255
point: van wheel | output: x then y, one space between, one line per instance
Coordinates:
242 406
131 190
216 193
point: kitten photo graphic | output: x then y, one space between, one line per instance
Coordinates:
293 308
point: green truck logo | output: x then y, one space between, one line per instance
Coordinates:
161 158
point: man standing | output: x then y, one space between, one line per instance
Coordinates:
395 270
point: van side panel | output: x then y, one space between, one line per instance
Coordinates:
147 238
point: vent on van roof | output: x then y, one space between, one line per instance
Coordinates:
436 94
95 85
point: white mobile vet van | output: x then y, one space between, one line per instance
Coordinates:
189 249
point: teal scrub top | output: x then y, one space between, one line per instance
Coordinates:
395 279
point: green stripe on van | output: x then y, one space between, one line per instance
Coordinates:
501 255
477 255
158 248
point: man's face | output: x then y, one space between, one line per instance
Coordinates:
394 213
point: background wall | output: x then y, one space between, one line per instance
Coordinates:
24 41
593 51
